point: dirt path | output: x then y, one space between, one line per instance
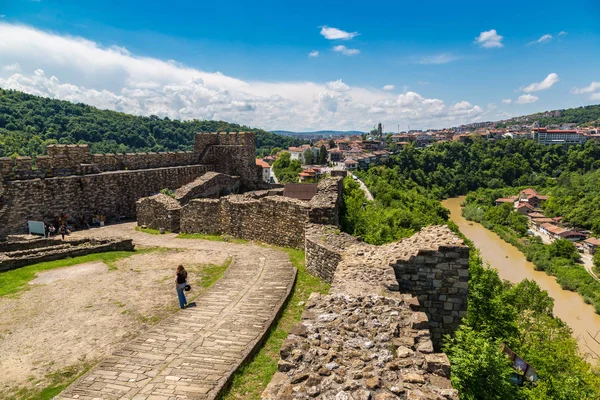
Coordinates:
82 314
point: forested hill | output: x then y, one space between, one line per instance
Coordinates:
582 116
28 123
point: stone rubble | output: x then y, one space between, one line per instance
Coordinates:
369 347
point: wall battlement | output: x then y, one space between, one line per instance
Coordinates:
235 154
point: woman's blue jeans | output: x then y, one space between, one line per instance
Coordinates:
181 295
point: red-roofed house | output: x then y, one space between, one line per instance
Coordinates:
266 169
525 208
532 197
590 245
503 200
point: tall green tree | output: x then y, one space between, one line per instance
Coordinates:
322 155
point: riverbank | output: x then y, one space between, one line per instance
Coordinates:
558 258
514 267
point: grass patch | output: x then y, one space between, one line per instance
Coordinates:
214 238
149 230
59 381
210 273
252 378
15 281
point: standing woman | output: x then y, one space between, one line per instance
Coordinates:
180 283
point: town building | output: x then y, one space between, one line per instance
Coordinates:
266 170
590 245
547 136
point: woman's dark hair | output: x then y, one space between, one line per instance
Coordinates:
180 269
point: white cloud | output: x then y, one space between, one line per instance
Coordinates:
506 101
336 34
592 87
79 70
389 88
489 39
314 53
14 67
544 39
561 33
526 99
337 86
423 83
547 83
595 96
346 51
443 58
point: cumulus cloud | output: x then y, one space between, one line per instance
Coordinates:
389 88
443 58
80 70
489 39
526 99
544 39
337 86
592 87
314 53
336 34
547 83
562 33
506 101
346 51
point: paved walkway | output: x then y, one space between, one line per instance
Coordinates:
364 188
193 354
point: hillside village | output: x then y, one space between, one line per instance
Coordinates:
529 202
353 152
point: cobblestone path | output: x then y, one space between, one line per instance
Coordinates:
192 354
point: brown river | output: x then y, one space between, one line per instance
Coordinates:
512 266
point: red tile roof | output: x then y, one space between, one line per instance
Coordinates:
594 241
262 163
527 205
554 229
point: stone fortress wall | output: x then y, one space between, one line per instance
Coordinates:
376 334
71 180
265 216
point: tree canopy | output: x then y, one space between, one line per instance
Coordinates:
28 123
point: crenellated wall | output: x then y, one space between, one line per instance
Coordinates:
231 153
72 180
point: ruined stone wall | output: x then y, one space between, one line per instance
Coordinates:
113 194
158 211
201 216
324 247
432 265
272 219
49 250
325 205
436 271
211 184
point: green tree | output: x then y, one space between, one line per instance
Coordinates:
322 155
308 157
479 368
331 144
565 249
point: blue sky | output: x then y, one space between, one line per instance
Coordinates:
249 62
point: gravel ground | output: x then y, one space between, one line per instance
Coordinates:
74 316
